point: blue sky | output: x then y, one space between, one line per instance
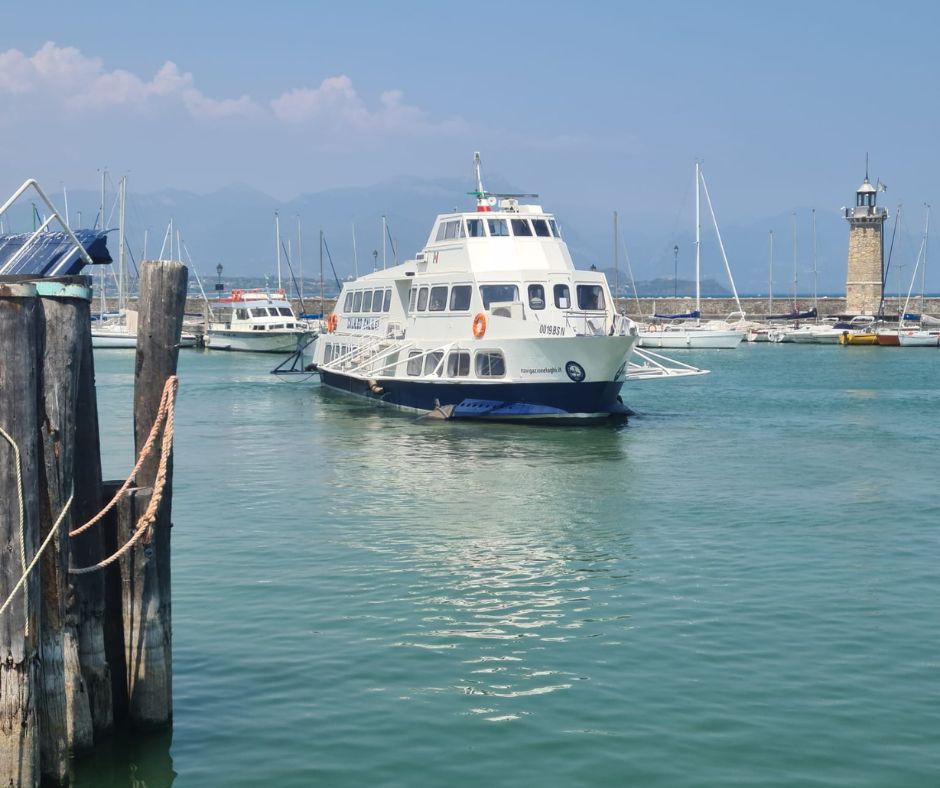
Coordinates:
604 104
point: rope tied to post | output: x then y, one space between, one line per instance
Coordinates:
163 418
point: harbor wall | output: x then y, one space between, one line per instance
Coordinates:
755 308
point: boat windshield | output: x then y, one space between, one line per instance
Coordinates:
499 294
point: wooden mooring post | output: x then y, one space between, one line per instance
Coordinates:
57 662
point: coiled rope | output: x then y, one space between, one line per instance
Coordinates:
163 418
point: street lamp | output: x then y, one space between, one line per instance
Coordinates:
675 276
218 285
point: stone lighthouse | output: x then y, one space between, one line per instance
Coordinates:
864 284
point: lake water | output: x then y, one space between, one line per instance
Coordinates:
738 587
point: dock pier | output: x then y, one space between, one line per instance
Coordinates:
85 628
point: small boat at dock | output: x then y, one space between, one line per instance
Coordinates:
257 320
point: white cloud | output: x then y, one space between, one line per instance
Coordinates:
336 105
64 74
68 78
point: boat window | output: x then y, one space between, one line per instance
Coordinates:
422 299
562 297
521 227
432 361
590 297
357 301
258 311
415 357
367 301
387 303
241 314
440 231
536 296
460 298
490 364
498 227
475 228
411 299
555 232
458 364
377 297
541 228
499 294
450 230
328 353
285 311
347 304
438 301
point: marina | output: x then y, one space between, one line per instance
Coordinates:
530 592
331 457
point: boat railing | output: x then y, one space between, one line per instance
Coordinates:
381 355
353 354
587 323
655 365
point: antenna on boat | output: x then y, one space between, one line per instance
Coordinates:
486 200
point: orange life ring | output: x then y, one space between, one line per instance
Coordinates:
479 325
331 323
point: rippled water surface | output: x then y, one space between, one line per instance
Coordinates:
739 587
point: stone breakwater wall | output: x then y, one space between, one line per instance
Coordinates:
755 308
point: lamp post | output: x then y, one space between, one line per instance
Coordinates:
675 276
218 285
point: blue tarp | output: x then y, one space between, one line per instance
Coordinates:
51 254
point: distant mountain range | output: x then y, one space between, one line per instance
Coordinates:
234 227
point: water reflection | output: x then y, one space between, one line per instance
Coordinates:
138 761
500 539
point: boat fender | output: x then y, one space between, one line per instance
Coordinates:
479 325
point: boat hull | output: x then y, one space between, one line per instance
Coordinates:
113 340
256 341
675 340
554 402
918 339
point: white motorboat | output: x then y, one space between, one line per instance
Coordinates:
257 320
490 320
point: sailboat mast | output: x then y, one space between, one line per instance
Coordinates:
277 244
923 271
300 257
355 253
616 265
384 241
122 264
698 241
770 278
815 273
321 276
795 309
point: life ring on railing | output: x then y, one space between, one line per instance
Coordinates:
331 323
653 328
479 325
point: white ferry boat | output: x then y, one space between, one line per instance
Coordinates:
257 320
490 320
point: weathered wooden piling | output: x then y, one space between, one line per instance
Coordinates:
65 717
146 572
59 653
87 602
20 329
